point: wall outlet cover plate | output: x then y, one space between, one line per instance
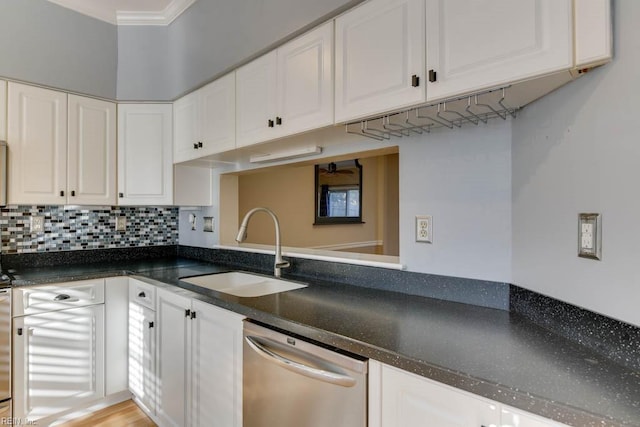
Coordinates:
424 228
208 224
590 235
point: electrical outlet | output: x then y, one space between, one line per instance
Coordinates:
208 224
121 223
590 236
424 228
37 224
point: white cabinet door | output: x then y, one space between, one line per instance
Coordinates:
256 100
37 137
305 82
480 44
205 120
193 186
412 401
142 355
116 315
218 118
173 340
186 121
145 165
593 32
216 372
91 151
58 361
379 48
3 110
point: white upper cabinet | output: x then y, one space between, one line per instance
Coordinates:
37 138
305 82
481 44
3 110
145 166
91 178
288 90
256 100
380 50
55 161
594 38
204 120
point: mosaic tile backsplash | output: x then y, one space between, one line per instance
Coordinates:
68 228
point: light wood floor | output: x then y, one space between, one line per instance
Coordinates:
122 414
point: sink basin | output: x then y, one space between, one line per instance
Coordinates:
243 284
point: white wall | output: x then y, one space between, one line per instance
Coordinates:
461 177
43 43
578 150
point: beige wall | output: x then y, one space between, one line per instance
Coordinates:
289 192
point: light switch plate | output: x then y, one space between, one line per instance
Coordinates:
424 228
121 223
37 224
590 236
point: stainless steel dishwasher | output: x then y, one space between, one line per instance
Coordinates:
288 382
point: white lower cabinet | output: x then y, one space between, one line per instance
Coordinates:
142 344
216 367
401 399
198 363
58 355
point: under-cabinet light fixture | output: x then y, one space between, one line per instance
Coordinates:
286 154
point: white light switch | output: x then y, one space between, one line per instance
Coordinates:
590 236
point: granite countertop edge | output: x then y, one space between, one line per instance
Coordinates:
503 393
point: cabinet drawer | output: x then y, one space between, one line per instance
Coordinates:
59 296
142 293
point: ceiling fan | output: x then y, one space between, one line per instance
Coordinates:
332 169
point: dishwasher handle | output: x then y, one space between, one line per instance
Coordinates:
309 371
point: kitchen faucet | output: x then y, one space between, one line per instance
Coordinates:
242 235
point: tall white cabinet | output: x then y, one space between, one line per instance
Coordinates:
61 148
380 53
145 161
289 90
467 49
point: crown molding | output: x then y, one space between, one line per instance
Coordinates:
164 17
87 9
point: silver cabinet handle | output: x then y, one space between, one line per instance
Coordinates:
311 372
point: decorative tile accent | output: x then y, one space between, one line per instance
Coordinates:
70 228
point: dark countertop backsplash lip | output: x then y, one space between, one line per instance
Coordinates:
164 265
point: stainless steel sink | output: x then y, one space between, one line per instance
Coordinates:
243 284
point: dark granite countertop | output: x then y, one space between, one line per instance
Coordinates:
492 353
